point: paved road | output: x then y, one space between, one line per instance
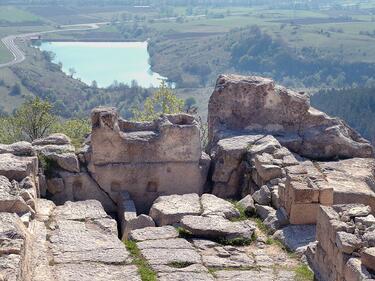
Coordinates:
19 56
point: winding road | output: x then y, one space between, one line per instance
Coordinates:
18 54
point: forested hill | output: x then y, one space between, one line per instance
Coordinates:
355 106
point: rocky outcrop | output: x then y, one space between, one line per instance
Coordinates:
146 159
345 241
254 105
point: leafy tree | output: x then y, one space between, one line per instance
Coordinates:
164 101
34 119
75 129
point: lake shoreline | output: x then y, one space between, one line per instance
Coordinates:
105 62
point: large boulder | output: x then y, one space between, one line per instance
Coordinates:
256 105
168 210
58 149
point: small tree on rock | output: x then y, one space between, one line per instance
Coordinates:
163 101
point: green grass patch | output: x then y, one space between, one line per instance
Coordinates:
243 216
179 264
48 165
184 233
144 269
236 241
303 273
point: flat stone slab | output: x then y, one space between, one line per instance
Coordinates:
169 256
184 276
75 241
215 206
80 211
96 272
153 233
296 236
217 227
264 274
168 210
176 243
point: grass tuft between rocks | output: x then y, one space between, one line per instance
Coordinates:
179 264
303 273
144 269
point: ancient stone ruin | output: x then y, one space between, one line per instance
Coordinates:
144 197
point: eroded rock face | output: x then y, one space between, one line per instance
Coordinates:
256 105
146 159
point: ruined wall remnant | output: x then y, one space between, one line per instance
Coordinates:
243 105
344 252
146 159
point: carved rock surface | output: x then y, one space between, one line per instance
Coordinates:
256 105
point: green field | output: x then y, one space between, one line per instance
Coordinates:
11 14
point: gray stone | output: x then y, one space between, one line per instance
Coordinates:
168 210
153 233
17 168
264 274
21 148
248 204
88 271
214 206
296 236
217 227
347 242
183 276
367 221
54 139
264 211
262 196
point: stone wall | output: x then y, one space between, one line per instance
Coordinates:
146 159
346 237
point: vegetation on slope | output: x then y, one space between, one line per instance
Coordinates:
356 106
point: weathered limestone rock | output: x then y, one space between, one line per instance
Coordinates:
146 159
54 139
295 237
14 199
227 157
214 206
83 244
368 258
127 215
340 243
352 180
217 227
21 148
262 196
264 211
262 107
79 187
14 252
168 210
248 204
153 233
17 168
58 148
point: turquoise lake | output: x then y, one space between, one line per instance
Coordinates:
105 62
